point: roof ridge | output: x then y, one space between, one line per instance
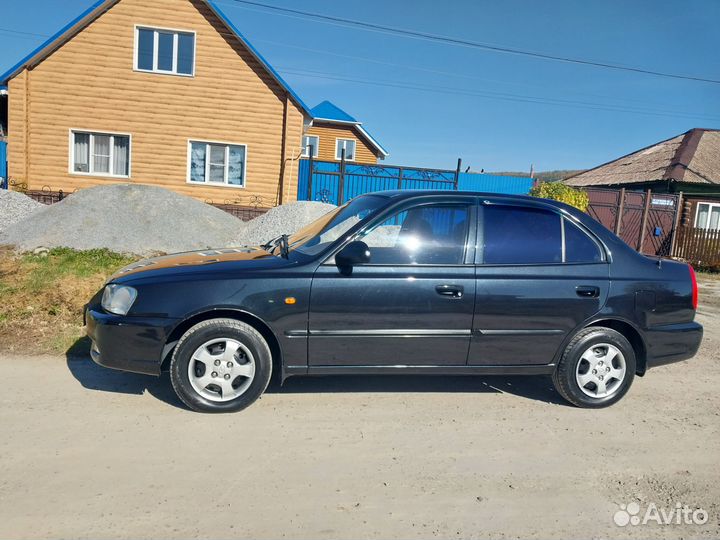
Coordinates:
683 155
622 157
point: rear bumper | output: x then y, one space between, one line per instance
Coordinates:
672 343
128 343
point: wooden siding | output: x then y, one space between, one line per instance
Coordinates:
89 84
328 133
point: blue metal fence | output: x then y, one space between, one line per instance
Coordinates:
3 166
337 182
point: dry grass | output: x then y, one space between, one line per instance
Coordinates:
42 296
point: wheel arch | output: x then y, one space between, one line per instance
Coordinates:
224 313
632 335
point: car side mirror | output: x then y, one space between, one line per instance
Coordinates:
356 252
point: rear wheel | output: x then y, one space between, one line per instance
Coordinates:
220 365
596 369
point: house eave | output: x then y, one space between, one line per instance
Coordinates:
58 39
369 138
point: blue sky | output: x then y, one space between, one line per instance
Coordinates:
474 103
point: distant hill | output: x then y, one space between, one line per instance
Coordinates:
544 176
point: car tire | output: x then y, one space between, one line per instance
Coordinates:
596 369
220 366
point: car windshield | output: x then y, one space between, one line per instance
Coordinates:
318 235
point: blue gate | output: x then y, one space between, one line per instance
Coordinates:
3 166
337 182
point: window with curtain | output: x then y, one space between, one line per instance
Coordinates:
708 216
345 144
214 163
165 51
100 154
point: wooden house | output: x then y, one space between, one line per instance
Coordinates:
161 92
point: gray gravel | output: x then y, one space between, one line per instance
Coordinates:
15 207
124 218
142 220
286 219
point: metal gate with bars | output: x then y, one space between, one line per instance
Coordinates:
646 221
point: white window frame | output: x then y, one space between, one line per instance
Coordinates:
92 133
316 146
710 209
156 41
338 150
207 182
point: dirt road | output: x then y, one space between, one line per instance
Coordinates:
90 453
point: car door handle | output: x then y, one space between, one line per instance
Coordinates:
587 291
453 291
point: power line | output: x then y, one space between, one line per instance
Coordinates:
33 34
495 95
449 90
457 74
467 43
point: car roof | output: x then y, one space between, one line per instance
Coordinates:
410 193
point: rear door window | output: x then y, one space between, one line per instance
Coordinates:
527 235
521 235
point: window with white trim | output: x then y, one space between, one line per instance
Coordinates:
708 216
310 140
100 154
165 51
345 144
215 163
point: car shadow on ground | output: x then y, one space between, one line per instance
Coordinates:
94 377
537 388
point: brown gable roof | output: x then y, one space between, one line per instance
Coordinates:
692 157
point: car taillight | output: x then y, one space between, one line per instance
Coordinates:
693 278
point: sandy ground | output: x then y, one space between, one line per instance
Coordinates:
91 453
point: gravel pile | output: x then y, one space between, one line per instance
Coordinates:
15 207
286 219
134 219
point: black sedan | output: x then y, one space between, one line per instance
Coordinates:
404 282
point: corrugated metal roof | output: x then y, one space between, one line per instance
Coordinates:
329 111
101 6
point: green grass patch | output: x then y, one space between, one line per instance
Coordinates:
42 295
45 269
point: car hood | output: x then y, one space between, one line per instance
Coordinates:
207 260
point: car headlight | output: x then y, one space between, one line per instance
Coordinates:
118 299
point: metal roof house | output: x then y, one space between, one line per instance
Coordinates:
333 131
161 92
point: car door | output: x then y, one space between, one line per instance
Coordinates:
412 304
540 274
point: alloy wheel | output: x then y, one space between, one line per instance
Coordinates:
601 370
221 369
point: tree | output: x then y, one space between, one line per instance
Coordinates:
557 191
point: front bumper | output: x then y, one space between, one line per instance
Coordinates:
672 343
128 343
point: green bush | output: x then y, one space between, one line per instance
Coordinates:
558 191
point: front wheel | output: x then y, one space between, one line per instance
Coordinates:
220 365
596 368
